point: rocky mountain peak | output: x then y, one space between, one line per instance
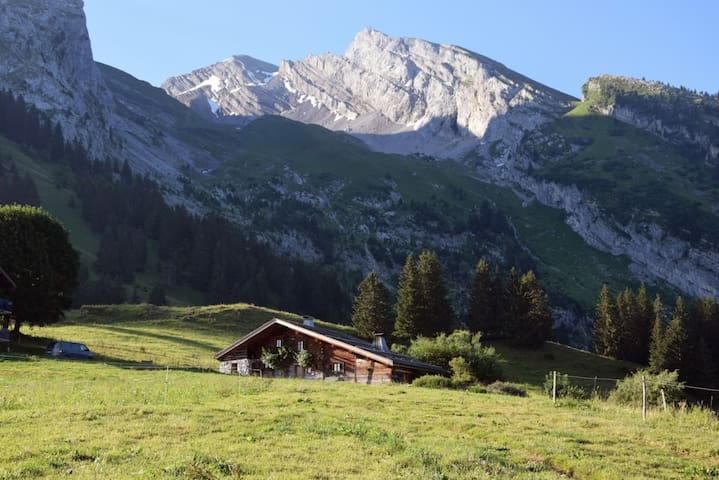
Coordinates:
45 56
399 95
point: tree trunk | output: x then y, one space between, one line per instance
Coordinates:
15 334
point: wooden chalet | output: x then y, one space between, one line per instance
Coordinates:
335 355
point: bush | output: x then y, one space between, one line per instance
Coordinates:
483 361
461 372
477 389
564 388
629 390
432 381
506 389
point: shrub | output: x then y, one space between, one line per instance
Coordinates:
477 389
564 388
432 381
278 357
304 358
483 361
629 390
506 389
461 372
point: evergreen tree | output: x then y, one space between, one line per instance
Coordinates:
436 314
536 323
606 331
627 325
515 307
482 305
657 346
643 325
675 339
371 312
407 324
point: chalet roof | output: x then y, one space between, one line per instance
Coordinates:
5 281
343 340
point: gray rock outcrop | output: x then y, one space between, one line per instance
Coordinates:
45 56
400 95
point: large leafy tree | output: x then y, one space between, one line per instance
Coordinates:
36 253
372 312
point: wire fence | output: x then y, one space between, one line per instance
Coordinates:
678 385
633 389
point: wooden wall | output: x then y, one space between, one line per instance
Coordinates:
355 368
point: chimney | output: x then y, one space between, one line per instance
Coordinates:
379 343
308 321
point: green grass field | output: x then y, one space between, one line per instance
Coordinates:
88 420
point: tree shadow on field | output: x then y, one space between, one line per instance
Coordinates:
160 336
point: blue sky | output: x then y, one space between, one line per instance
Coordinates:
559 43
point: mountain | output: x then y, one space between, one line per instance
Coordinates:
399 95
46 56
310 158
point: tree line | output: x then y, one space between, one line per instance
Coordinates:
139 232
631 326
512 306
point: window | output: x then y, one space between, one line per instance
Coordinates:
300 345
337 367
279 342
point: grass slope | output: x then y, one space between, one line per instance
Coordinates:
122 422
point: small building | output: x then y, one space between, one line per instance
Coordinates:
333 355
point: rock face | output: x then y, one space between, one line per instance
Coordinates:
45 56
676 115
399 95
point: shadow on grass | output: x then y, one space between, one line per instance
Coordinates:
160 336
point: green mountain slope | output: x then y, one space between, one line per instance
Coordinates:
319 184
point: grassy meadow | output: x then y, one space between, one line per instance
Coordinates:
88 420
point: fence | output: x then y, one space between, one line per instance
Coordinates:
663 388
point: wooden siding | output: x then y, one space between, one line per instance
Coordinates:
245 359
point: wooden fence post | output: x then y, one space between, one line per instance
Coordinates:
554 386
644 398
664 400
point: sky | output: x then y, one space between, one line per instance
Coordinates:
560 43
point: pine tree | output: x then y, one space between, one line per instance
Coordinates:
536 324
606 334
371 312
627 325
657 346
436 314
643 326
675 339
482 306
514 307
408 302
